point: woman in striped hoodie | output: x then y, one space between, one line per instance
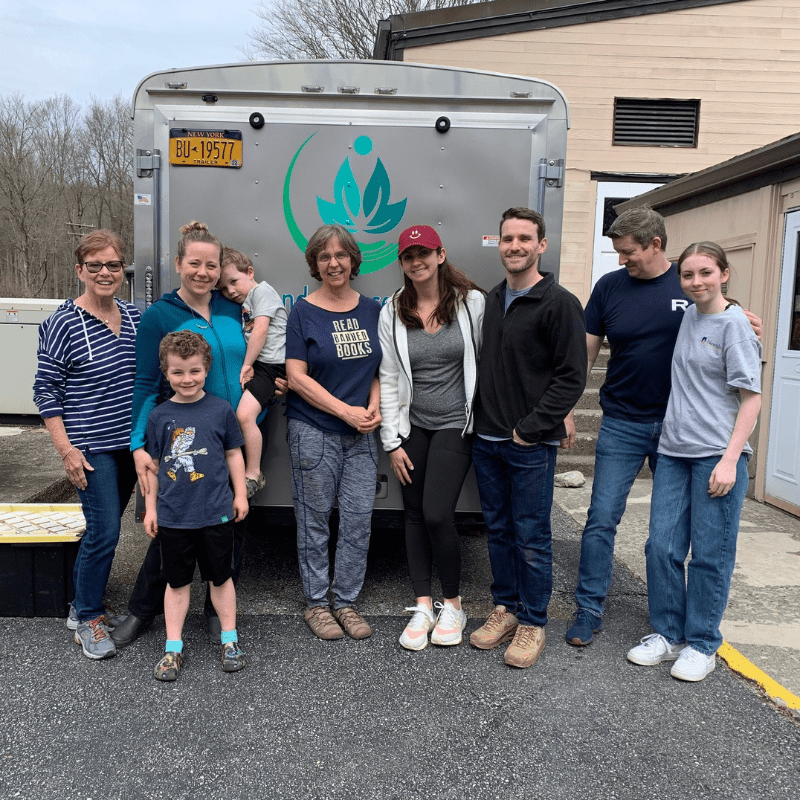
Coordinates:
83 390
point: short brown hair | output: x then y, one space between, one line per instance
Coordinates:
520 212
239 260
318 242
643 223
183 344
97 240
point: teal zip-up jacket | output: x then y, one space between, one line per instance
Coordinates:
223 333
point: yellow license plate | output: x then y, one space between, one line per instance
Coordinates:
205 148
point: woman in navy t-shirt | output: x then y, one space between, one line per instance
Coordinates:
332 359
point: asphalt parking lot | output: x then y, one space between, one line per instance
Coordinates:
345 719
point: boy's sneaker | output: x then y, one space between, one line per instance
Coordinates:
321 621
499 627
354 624
526 648
583 628
169 667
232 657
654 649
692 665
93 638
449 625
415 635
112 618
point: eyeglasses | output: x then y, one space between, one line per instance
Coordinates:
326 258
95 266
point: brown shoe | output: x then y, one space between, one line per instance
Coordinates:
526 648
320 621
355 625
498 628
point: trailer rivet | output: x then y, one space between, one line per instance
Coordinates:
256 183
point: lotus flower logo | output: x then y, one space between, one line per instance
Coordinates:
370 212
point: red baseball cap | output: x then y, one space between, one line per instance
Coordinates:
423 235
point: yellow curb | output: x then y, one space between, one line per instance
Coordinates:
737 662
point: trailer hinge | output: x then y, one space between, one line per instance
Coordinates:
146 162
552 171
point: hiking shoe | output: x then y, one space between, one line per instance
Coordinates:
499 627
583 628
421 623
169 667
112 618
232 657
93 638
654 649
321 621
692 665
450 624
526 648
355 625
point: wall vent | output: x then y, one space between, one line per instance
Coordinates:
655 123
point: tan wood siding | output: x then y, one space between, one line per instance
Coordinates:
741 60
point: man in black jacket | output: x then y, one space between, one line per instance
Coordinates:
532 372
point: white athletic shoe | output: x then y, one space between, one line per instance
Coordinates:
654 649
693 665
415 635
450 624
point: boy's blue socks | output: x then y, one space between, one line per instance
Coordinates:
229 636
174 646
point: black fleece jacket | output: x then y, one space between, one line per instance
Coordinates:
533 362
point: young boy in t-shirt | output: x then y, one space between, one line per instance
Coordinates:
196 440
264 325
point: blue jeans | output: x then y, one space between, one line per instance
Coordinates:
108 490
622 448
515 483
327 467
686 604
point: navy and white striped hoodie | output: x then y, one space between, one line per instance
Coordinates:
85 375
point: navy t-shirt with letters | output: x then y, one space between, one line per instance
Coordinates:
641 319
342 352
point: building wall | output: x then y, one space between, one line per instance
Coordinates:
742 60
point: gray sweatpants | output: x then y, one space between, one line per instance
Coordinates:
324 466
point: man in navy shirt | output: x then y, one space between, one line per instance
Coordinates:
639 309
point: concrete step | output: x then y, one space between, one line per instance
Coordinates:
587 420
590 399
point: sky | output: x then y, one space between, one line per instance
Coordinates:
100 48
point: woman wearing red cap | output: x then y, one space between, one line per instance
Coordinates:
430 333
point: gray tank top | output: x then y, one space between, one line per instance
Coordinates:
437 368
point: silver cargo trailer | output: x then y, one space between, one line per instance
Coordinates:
267 152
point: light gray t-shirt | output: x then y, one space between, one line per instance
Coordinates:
715 356
263 301
437 368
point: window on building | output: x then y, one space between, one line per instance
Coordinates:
655 123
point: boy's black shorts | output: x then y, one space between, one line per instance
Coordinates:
211 548
262 384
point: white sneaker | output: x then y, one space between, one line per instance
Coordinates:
693 665
654 649
450 624
415 635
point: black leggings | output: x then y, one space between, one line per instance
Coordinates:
441 460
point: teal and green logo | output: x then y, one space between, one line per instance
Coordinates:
368 212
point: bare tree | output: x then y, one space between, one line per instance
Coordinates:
326 28
62 172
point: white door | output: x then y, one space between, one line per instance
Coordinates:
783 453
609 194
